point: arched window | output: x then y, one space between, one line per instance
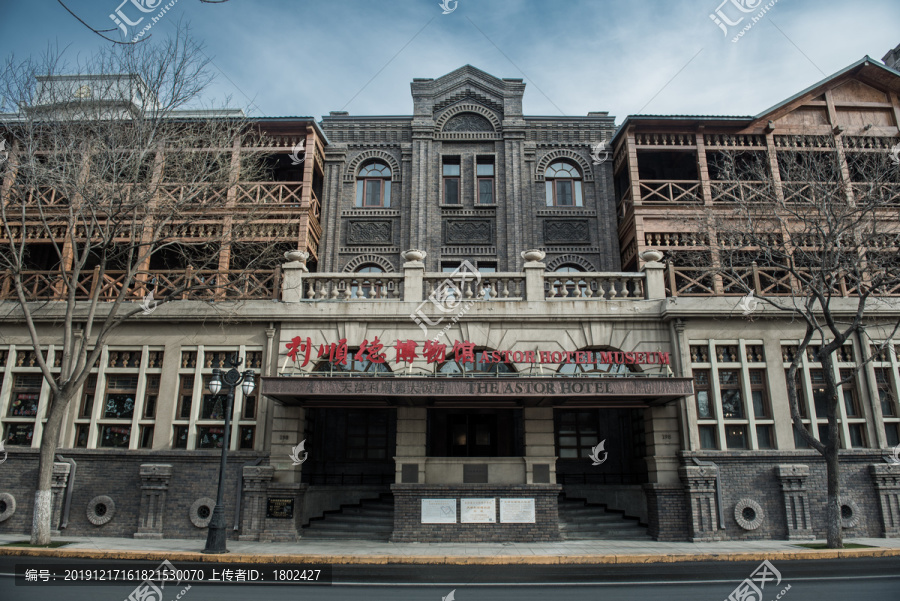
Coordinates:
563 185
373 185
364 287
569 287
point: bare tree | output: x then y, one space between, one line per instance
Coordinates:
815 235
128 195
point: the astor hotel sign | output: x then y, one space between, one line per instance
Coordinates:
300 350
317 389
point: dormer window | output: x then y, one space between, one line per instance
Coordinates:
373 186
563 185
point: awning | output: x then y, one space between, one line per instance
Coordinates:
473 392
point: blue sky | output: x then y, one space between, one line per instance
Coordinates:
309 57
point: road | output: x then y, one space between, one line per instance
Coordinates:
876 579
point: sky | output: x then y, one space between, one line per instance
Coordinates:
309 57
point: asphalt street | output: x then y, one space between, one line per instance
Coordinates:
875 579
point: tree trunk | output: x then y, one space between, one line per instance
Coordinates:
43 496
835 536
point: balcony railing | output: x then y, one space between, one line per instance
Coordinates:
739 192
185 284
670 191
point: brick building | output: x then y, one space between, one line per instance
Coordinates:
483 308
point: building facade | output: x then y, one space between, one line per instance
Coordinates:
502 330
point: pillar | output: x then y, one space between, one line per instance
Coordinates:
887 484
253 501
792 479
411 451
154 488
540 450
58 493
700 488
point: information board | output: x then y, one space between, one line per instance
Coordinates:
477 511
438 511
517 511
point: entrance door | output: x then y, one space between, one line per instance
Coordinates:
474 433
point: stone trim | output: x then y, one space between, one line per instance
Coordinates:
100 510
253 503
354 164
855 514
700 492
587 174
576 259
792 478
354 263
10 502
749 524
887 486
194 512
58 487
155 479
468 107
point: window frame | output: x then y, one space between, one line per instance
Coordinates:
448 160
363 181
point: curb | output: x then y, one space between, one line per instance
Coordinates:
193 556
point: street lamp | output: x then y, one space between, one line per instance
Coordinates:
215 537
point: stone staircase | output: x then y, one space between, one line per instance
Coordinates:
371 519
580 520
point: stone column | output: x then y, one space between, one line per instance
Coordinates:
154 487
413 275
253 503
534 274
292 280
700 484
283 529
887 483
58 494
540 451
654 273
410 454
792 479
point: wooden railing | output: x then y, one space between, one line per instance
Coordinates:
670 191
186 284
739 192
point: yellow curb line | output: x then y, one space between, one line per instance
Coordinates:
585 559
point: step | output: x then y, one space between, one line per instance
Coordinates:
361 518
362 527
312 534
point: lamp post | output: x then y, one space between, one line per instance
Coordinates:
215 537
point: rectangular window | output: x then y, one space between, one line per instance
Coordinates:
736 437
764 438
484 171
213 406
81 435
179 437
19 434
247 436
146 437
730 388
373 193
564 196
451 173
801 394
367 433
701 384
115 436
760 394
885 395
121 390
151 395
578 433
851 405
799 442
26 394
87 396
820 399
186 396
708 438
892 434
249 411
210 437
857 435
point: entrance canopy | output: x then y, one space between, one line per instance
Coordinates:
512 392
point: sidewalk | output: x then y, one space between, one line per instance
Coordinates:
370 552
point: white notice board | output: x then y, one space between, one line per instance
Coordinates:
478 511
438 511
517 511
